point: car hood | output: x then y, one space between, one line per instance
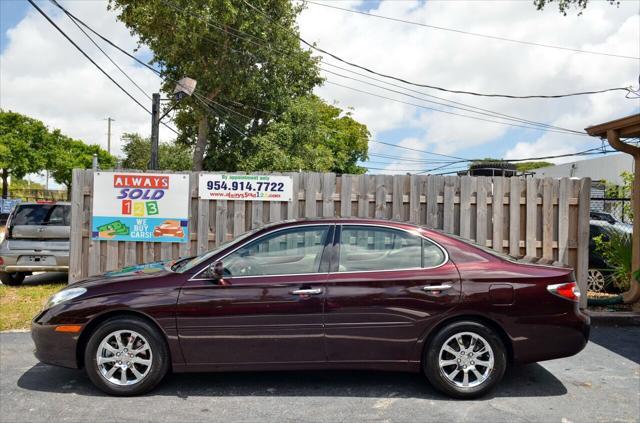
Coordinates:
133 273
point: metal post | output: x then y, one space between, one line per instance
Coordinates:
94 164
109 120
155 128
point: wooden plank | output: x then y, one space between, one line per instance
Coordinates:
94 264
75 238
346 189
415 183
563 221
531 217
381 197
221 222
311 188
514 216
547 219
111 262
432 202
497 209
448 212
582 265
481 210
328 189
184 248
465 207
294 204
363 202
397 196
202 244
239 212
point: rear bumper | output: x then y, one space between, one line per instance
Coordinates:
550 337
22 260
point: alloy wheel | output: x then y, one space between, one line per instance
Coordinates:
595 280
466 360
124 357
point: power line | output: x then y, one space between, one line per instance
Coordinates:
91 60
494 37
448 112
535 125
336 57
532 122
86 55
109 57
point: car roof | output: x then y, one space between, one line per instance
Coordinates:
36 203
346 220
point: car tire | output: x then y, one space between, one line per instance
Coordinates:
451 370
12 279
126 356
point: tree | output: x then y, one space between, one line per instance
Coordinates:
65 154
171 156
565 5
528 166
23 141
311 135
249 66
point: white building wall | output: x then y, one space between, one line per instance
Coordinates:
608 168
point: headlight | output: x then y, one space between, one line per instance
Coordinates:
64 295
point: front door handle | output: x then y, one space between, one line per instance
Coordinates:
307 291
436 287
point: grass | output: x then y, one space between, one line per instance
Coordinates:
20 304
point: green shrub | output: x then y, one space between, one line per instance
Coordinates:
615 247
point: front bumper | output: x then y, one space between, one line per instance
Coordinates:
57 348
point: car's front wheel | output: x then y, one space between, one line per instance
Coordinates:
126 356
12 279
465 359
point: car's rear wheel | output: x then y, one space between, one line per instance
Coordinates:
12 279
465 359
126 356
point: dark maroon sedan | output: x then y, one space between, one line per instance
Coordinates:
318 294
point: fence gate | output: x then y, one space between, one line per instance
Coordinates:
538 218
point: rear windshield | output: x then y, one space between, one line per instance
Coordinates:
42 214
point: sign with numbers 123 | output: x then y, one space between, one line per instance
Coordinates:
140 207
245 187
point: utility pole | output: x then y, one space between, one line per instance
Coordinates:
184 88
109 120
155 130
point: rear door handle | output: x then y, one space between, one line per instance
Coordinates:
436 287
307 291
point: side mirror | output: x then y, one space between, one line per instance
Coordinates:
215 271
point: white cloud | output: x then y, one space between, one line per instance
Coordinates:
45 77
477 64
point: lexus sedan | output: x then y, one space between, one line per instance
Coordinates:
318 294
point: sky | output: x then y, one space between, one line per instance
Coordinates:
43 76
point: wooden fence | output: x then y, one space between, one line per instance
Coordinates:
538 218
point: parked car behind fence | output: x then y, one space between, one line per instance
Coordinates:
36 239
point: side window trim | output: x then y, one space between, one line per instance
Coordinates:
335 263
330 231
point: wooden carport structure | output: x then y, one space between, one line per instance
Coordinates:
614 132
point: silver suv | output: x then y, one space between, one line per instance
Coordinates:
36 240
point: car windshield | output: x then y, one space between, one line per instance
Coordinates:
183 265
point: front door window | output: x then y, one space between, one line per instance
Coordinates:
286 252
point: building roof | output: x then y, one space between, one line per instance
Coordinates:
627 127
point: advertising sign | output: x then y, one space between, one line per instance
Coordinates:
6 204
140 207
245 187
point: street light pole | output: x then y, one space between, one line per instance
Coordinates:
155 130
109 120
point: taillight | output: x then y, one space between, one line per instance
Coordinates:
1 261
568 290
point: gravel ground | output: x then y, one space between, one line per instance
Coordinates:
602 383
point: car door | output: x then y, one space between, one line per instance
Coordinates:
387 285
269 307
